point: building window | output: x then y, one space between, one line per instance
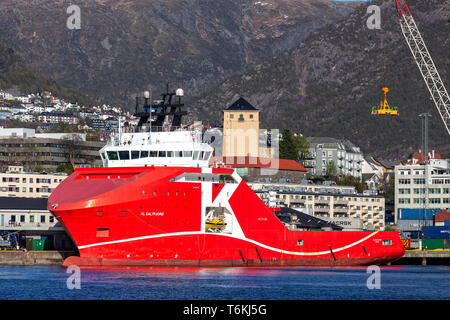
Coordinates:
406 181
435 200
251 116
404 200
31 219
42 219
22 218
419 181
31 180
404 191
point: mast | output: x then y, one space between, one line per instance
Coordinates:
161 109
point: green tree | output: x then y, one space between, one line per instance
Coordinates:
302 145
331 170
289 148
65 167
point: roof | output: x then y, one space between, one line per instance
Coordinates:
241 104
258 162
368 176
419 156
333 143
8 203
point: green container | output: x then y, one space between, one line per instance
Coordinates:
433 244
38 244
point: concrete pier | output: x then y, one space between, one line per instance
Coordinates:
34 258
416 257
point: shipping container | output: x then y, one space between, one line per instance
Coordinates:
441 216
38 244
416 214
434 244
436 232
413 225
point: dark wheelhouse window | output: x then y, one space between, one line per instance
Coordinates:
112 155
161 153
144 154
124 155
134 154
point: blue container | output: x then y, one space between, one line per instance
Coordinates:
416 214
447 223
440 232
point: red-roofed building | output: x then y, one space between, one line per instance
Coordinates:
418 157
257 168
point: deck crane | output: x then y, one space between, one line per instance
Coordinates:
423 59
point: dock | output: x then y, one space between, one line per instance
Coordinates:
425 257
33 258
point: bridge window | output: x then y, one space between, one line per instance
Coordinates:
124 155
195 157
178 154
206 155
387 242
153 154
112 155
144 154
134 154
300 242
161 153
170 154
187 154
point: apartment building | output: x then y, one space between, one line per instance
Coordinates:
15 182
346 157
326 201
49 150
422 186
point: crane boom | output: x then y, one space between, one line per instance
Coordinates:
423 59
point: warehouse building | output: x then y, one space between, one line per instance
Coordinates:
32 224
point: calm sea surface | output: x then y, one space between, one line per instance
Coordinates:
396 282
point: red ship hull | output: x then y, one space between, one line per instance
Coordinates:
161 216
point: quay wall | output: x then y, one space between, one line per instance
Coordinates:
34 258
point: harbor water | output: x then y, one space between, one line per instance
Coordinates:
299 283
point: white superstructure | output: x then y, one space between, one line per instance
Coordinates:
158 142
182 148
